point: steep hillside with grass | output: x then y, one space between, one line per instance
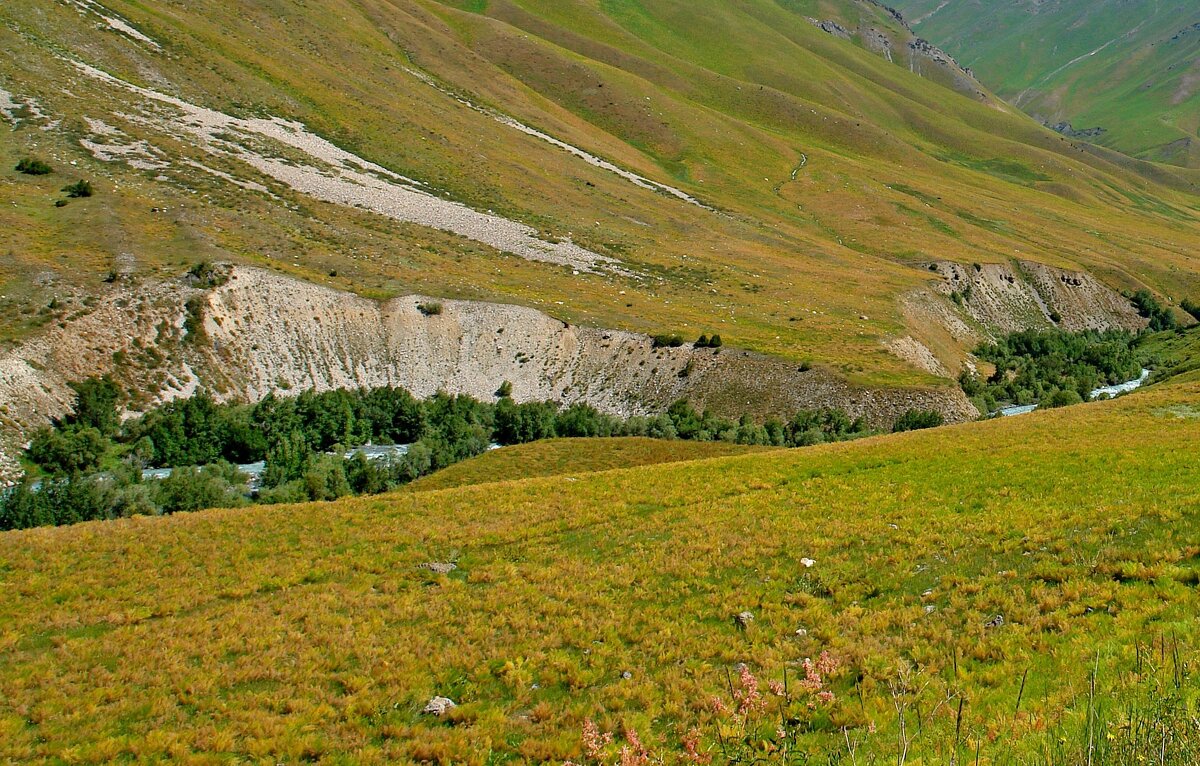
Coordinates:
657 167
1009 590
1125 75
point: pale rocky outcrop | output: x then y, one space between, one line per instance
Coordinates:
266 333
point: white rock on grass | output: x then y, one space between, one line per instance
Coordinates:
439 706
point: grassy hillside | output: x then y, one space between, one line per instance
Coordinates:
825 163
978 578
558 457
1130 68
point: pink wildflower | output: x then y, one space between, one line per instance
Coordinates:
691 747
634 753
593 741
748 697
827 664
718 705
825 696
776 688
812 681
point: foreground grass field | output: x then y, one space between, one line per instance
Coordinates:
556 457
974 582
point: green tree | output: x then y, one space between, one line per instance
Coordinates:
96 405
1063 398
193 489
287 460
73 450
916 420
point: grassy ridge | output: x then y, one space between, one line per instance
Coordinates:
830 165
312 632
556 457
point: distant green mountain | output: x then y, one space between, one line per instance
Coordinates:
1121 73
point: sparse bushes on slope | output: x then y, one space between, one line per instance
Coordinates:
1148 307
666 340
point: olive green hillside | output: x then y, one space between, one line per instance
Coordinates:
786 181
1125 75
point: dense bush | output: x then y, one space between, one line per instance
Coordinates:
79 189
666 340
916 420
69 450
1064 398
34 167
1191 308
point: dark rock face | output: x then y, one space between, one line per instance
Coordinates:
1066 129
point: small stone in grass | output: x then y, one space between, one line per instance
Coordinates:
439 706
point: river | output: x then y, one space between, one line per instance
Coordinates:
1108 391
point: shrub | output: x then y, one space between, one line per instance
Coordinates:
193 321
34 167
505 390
1191 308
79 189
194 489
916 420
208 275
1063 398
664 340
70 451
430 309
96 404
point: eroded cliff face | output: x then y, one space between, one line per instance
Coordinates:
977 302
256 332
1005 297
263 333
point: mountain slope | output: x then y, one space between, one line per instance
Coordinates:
654 166
1125 75
974 560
